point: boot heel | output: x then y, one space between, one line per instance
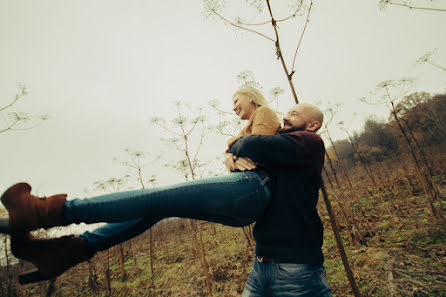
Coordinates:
32 277
52 257
4 226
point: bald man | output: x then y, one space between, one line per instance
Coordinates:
289 259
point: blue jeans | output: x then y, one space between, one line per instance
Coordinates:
237 199
286 280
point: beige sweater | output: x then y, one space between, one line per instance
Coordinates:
263 121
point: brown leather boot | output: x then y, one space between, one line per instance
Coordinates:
28 212
52 257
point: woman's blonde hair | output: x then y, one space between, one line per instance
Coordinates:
252 93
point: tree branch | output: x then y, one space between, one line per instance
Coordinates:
240 27
168 130
279 54
201 142
301 36
195 123
277 21
438 66
415 7
222 111
18 120
22 93
10 126
186 146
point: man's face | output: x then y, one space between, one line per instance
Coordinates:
295 120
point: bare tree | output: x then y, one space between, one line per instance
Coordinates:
275 94
215 8
182 128
246 78
383 4
347 179
136 162
112 185
15 120
389 93
355 230
426 59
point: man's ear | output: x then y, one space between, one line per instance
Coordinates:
314 126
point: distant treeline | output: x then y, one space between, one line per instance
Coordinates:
421 116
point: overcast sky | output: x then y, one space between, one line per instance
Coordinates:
102 69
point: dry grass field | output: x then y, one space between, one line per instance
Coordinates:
396 247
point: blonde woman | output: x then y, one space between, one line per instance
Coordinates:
237 199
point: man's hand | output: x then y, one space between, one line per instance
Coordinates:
229 161
244 163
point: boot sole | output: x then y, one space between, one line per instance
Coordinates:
33 276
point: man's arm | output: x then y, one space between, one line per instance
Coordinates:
297 149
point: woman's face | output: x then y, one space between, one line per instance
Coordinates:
243 106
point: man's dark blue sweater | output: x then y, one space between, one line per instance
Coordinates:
290 231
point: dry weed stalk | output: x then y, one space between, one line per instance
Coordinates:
189 166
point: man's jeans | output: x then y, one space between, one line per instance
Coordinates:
286 280
237 199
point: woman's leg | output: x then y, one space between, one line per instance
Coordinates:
238 198
235 200
112 234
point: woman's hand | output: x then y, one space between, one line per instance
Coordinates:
229 161
244 163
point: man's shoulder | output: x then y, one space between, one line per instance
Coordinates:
306 136
310 141
311 136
